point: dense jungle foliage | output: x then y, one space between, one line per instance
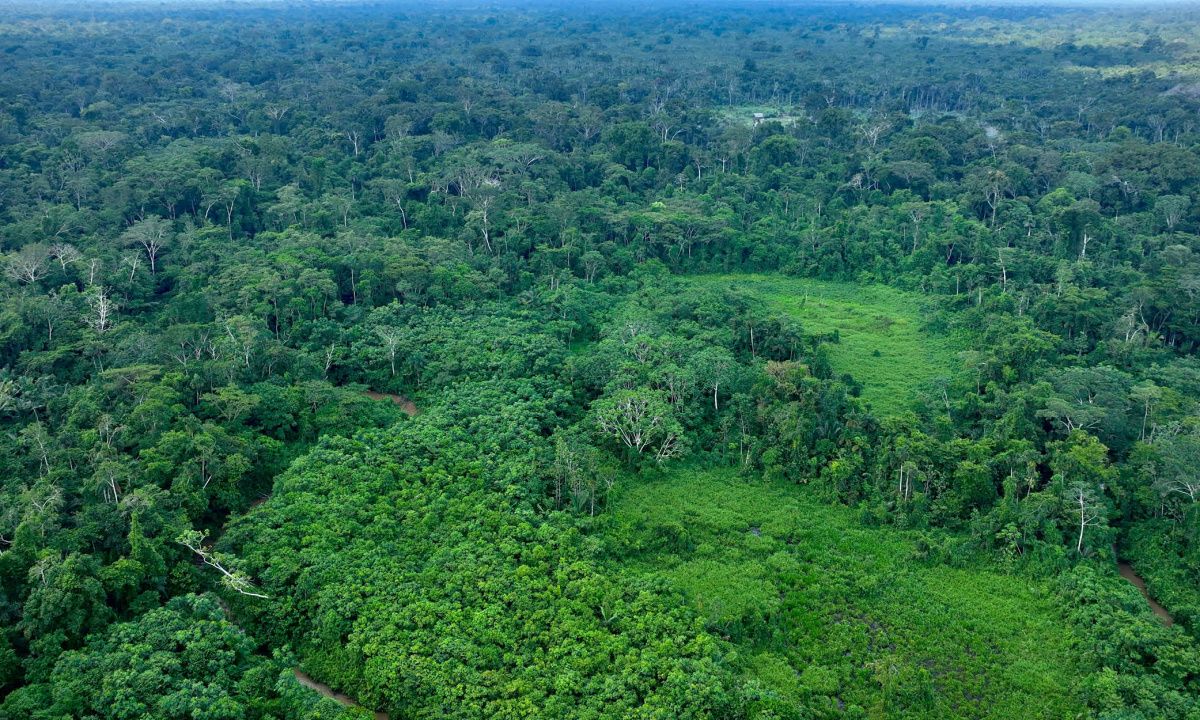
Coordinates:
654 360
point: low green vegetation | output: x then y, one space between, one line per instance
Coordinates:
834 617
849 411
882 336
413 574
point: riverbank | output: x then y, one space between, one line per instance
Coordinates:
307 681
1129 574
407 406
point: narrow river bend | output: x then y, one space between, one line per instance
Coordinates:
1128 573
306 680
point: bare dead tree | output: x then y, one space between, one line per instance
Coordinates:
233 579
391 338
152 234
65 253
133 261
1084 505
104 310
27 265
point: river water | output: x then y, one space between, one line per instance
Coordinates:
329 692
407 406
1127 572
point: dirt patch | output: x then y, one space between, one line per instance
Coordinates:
407 406
307 681
1127 572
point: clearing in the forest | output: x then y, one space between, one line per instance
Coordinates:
830 614
884 342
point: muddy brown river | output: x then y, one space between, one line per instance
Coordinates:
1127 572
329 692
408 406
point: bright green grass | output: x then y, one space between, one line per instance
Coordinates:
835 616
883 344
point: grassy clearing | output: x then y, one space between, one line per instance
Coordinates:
840 618
883 342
